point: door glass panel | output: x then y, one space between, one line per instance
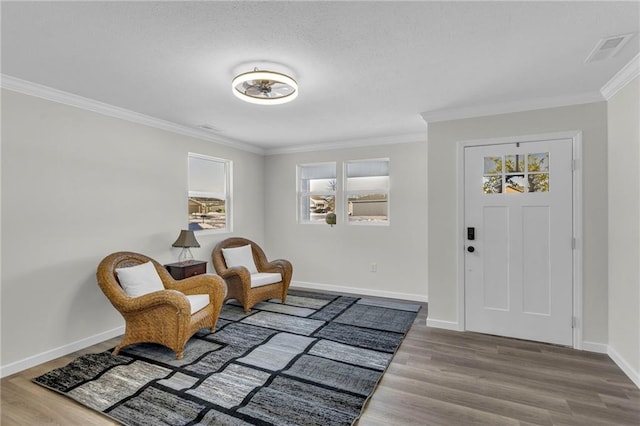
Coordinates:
492 184
539 182
514 184
538 162
512 178
492 165
514 163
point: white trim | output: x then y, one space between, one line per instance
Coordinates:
578 251
33 89
624 366
357 290
460 273
600 348
509 107
576 137
34 360
622 77
445 325
353 143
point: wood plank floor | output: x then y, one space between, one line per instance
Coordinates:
437 377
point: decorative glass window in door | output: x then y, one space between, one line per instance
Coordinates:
516 173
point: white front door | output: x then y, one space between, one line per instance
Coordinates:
519 240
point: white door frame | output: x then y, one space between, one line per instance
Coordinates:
576 137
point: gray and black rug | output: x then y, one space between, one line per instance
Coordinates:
313 361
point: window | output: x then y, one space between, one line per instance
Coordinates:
367 191
316 192
209 193
514 177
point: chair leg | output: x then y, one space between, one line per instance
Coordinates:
116 351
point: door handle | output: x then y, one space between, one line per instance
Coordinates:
471 249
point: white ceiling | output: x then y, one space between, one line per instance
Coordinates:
366 70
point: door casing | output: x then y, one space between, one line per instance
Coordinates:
576 137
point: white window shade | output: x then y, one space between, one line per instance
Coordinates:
368 168
206 176
318 171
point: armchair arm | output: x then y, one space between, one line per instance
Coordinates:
158 298
236 271
200 284
278 265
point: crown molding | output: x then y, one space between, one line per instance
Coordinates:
33 89
622 77
352 143
509 107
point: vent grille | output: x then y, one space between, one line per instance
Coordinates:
607 48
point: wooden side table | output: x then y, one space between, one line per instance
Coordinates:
182 270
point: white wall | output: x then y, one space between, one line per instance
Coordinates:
340 258
442 178
624 228
76 186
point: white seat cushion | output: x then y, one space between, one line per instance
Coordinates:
139 280
198 302
264 278
240 256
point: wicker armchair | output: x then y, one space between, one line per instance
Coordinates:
163 316
239 279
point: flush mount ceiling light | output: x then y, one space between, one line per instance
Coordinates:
265 87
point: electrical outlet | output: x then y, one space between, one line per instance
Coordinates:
374 267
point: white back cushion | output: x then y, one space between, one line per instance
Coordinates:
139 280
240 256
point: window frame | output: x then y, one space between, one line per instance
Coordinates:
227 195
302 194
346 193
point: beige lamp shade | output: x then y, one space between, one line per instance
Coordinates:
186 239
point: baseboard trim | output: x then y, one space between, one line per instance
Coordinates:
32 361
624 366
600 348
356 290
446 325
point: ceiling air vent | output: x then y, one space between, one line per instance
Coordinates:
608 47
209 128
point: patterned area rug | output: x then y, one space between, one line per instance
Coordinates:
312 361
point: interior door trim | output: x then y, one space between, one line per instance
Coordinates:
576 137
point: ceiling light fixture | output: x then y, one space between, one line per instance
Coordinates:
265 87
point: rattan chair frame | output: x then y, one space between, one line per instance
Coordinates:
238 278
164 316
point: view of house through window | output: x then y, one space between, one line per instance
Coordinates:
316 191
209 189
367 191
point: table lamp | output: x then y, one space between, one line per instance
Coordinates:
186 240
